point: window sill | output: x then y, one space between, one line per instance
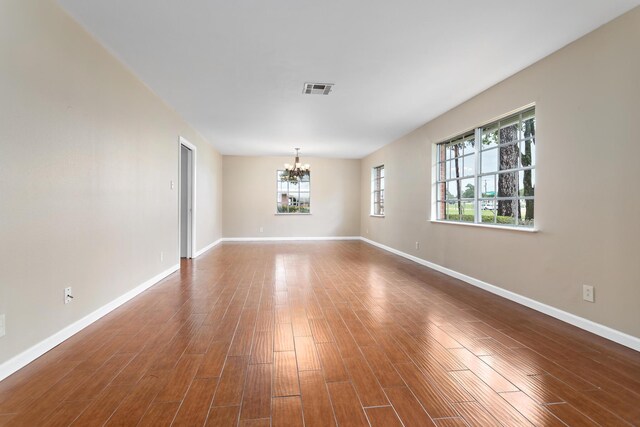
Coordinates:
376 216
292 213
498 227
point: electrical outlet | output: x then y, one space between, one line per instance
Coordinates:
588 293
367 231
161 256
172 185
417 245
3 328
261 229
68 296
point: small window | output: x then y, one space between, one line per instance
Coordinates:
487 175
293 195
377 190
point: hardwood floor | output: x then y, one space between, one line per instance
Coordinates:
323 334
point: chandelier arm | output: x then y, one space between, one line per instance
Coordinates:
297 171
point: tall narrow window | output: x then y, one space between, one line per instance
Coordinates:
293 195
377 191
487 175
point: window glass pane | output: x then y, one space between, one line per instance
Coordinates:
488 212
508 157
508 184
460 211
526 213
451 169
507 211
469 143
452 189
441 209
490 136
283 198
381 195
489 161
527 153
449 152
441 171
304 186
488 205
306 178
382 184
452 211
303 202
469 165
528 126
468 211
488 186
282 208
459 167
294 199
455 148
441 189
509 129
467 188
382 172
526 183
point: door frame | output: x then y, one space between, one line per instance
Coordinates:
191 197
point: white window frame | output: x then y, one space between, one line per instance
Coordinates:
478 174
377 178
279 172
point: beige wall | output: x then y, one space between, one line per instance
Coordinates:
249 198
87 154
587 207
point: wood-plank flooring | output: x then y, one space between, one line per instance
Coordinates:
323 334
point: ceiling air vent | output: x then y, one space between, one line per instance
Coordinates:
317 88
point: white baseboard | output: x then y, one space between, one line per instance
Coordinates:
206 248
286 239
580 322
14 364
17 362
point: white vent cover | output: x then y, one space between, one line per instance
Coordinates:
317 88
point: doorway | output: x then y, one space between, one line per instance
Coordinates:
187 198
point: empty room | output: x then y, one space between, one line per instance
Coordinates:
286 213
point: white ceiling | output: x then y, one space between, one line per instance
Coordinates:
235 69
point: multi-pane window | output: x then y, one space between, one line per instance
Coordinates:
293 195
488 175
377 190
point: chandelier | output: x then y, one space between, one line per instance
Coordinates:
297 171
